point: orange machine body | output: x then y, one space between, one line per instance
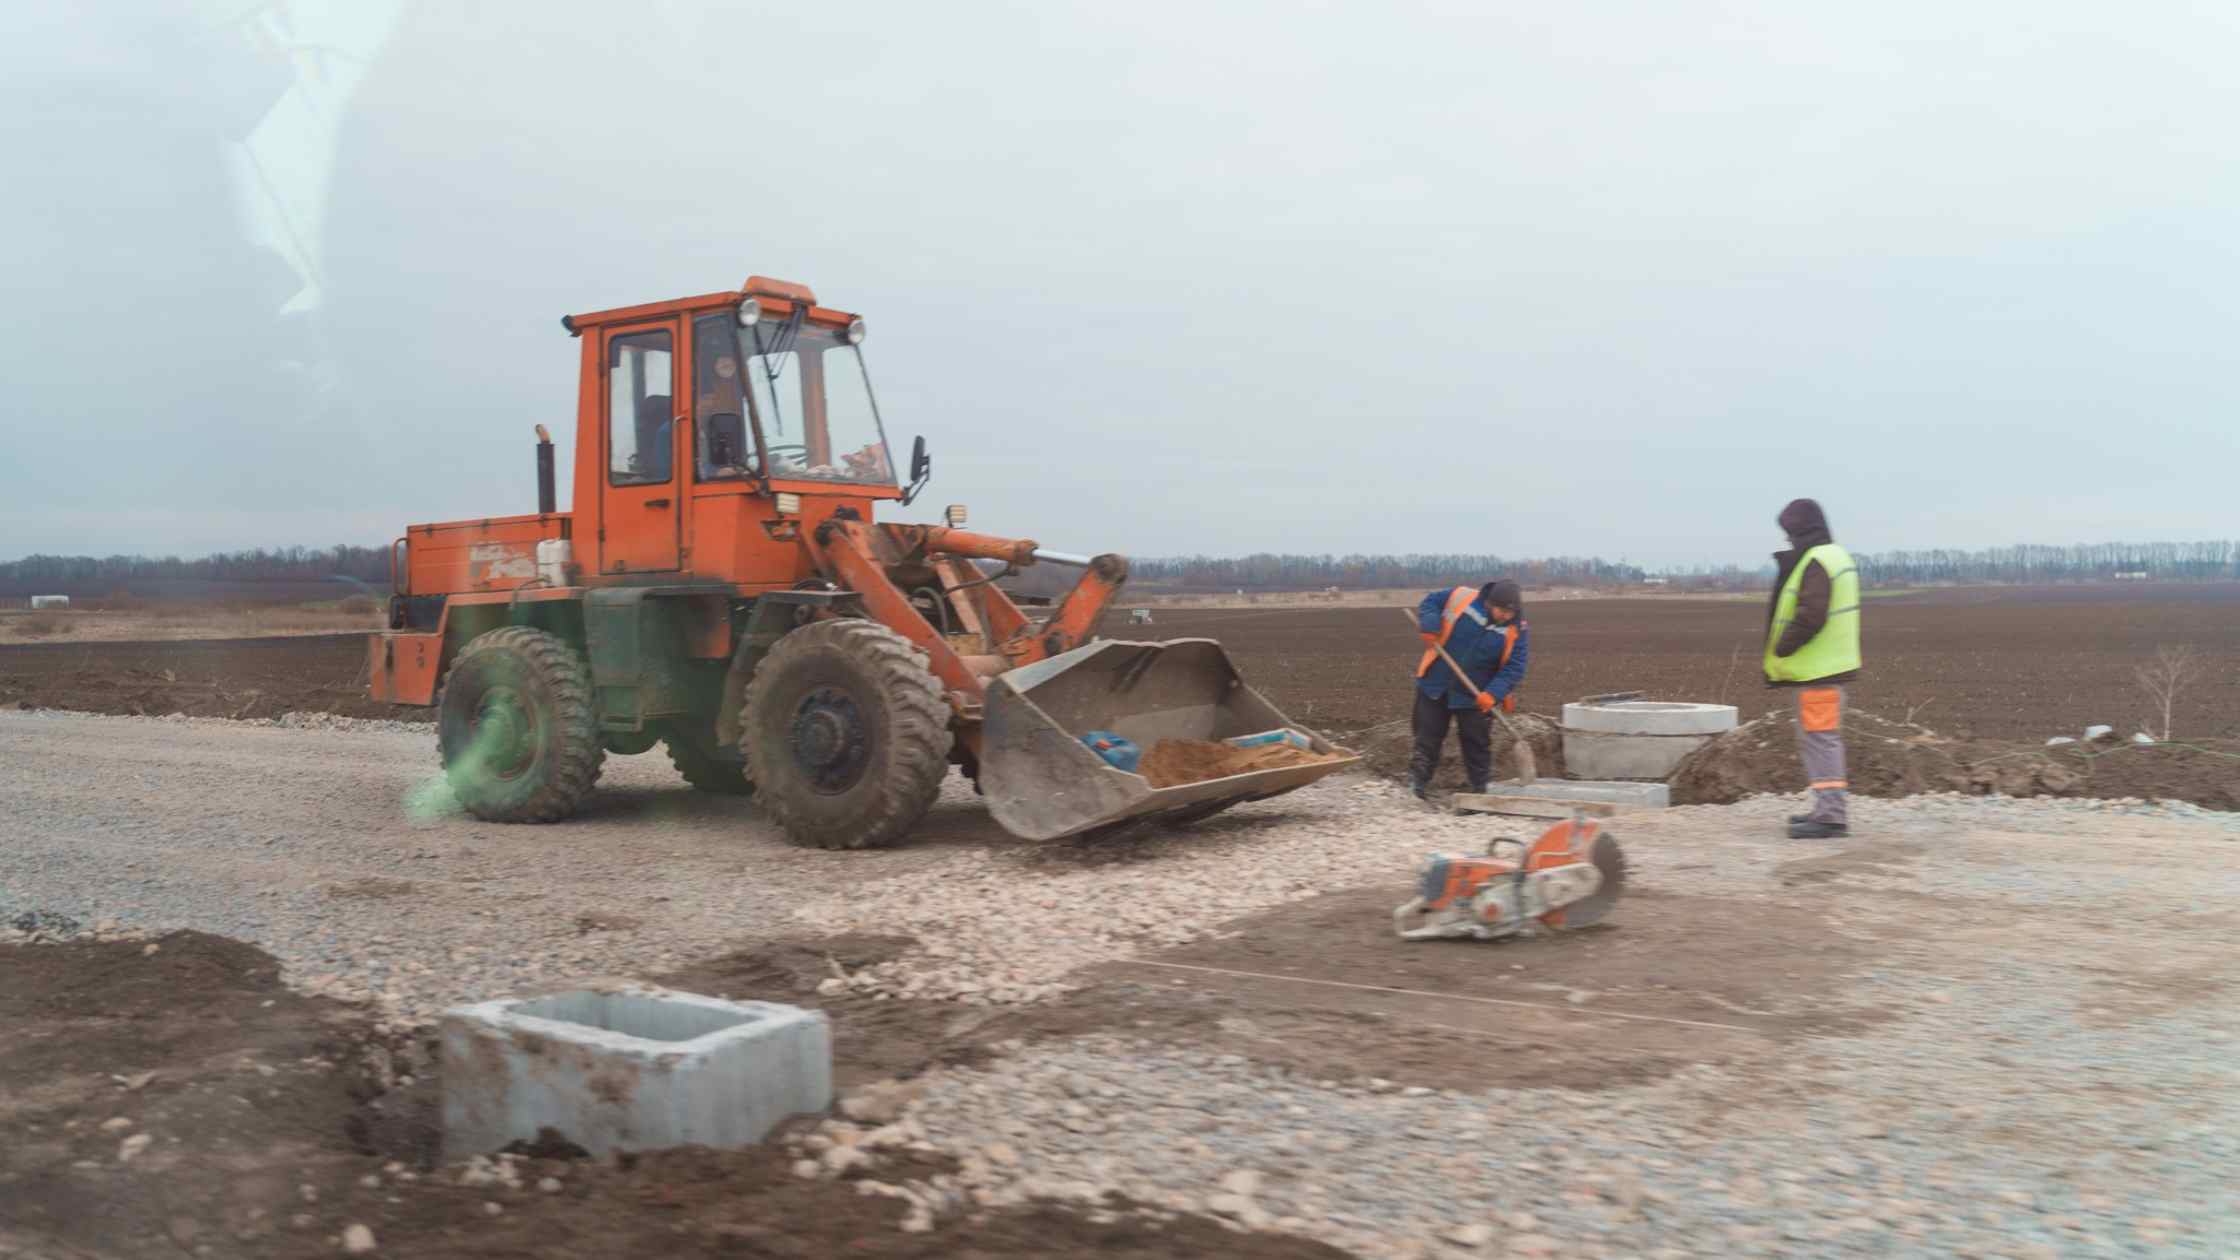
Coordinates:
704 550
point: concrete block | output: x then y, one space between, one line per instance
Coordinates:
629 1068
1648 757
1649 717
1637 739
1556 798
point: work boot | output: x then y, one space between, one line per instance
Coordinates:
1810 830
1422 791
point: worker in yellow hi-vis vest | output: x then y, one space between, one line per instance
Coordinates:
1812 646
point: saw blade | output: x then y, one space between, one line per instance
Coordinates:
1610 861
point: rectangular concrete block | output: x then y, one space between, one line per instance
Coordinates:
629 1068
1555 798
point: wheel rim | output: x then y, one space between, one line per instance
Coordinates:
502 734
830 740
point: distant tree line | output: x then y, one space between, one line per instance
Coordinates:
1267 572
2158 561
69 574
2155 561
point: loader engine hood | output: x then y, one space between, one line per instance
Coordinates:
1042 782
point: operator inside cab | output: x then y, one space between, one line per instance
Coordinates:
722 431
1482 630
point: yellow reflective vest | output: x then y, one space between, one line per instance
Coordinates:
1835 650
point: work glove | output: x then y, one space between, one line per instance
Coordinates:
1485 702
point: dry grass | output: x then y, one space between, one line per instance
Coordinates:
122 621
43 624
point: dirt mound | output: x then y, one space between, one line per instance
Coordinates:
1882 758
2205 772
182 1101
227 1090
1385 751
1174 762
1886 758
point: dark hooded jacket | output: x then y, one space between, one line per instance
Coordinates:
1476 645
1807 527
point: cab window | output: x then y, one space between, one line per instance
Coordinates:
640 409
722 447
816 408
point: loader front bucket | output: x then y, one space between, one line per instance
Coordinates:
1042 782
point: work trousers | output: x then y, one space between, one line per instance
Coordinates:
1472 729
1820 745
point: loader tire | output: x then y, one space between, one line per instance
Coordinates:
845 735
705 771
516 729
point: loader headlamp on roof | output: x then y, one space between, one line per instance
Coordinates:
750 312
855 331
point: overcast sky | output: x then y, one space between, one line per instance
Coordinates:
1156 278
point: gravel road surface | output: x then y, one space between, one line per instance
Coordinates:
1986 1027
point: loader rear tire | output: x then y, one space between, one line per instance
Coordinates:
845 735
516 729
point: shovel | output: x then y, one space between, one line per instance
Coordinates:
1528 767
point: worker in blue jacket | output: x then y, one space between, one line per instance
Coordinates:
1484 630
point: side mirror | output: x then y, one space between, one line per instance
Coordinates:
921 467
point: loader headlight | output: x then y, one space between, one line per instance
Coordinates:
855 331
789 504
953 516
750 312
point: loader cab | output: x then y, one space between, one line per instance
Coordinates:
711 431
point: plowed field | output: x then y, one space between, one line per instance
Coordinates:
1986 663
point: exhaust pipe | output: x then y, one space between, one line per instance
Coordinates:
548 497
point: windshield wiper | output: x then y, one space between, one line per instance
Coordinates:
780 342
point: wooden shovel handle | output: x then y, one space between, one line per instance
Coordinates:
1441 649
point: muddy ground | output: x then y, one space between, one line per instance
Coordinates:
274 1121
235 678
172 1098
1988 663
1990 673
267 1122
1766 1002
1985 663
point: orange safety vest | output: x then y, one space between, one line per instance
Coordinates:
1457 600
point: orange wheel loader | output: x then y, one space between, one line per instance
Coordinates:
720 586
